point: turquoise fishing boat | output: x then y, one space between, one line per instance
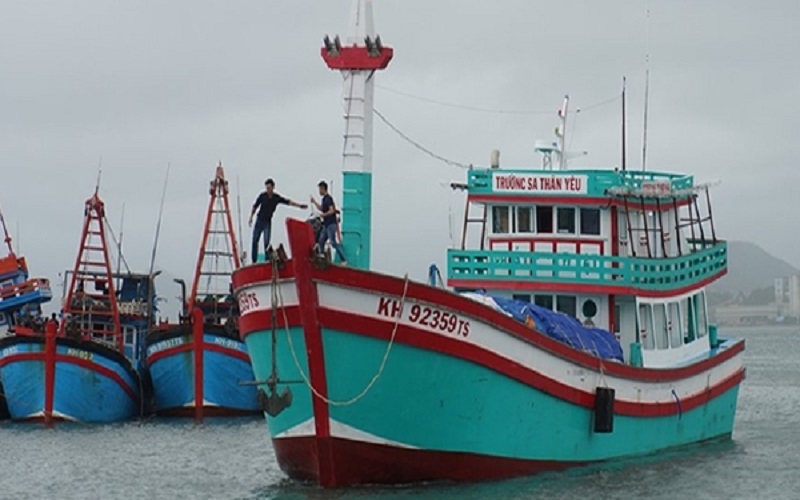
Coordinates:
573 329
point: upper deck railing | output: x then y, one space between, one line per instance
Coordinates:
593 183
501 269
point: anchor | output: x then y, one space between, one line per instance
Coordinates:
274 403
270 400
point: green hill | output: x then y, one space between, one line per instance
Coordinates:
750 267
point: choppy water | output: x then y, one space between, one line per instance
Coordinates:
234 459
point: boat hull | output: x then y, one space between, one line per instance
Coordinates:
478 397
173 365
90 383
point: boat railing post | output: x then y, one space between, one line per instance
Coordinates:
197 341
49 370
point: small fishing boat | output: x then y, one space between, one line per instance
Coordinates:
575 329
21 299
197 366
85 367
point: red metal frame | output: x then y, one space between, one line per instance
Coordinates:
219 198
99 272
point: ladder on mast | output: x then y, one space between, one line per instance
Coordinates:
219 253
93 314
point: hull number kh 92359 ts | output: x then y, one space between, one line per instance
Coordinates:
426 316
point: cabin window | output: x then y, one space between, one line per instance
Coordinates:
525 220
545 301
524 297
702 317
6 283
129 334
566 220
590 221
501 222
691 318
567 304
544 219
645 326
675 325
661 326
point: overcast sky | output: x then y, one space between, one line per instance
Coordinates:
143 84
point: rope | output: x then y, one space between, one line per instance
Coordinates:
277 293
491 110
418 145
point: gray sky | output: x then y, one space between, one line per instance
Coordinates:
141 84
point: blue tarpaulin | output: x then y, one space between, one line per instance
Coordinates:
563 327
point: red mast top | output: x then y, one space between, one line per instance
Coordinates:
92 312
219 253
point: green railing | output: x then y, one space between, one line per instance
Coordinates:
494 266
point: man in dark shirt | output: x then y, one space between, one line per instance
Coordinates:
329 221
266 203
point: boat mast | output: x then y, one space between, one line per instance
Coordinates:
93 265
358 60
624 131
218 211
561 133
646 90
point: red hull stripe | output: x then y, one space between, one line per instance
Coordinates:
301 239
190 345
367 463
259 273
376 328
569 200
262 320
580 288
389 285
85 363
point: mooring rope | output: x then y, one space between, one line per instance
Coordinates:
279 296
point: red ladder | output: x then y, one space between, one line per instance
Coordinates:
219 253
93 266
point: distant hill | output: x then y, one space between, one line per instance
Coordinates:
750 267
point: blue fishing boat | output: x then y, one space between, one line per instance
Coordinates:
574 329
84 367
21 299
197 366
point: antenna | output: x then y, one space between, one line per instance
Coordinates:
624 131
99 172
239 217
119 246
646 90
5 232
158 224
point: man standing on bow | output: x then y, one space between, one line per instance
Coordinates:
266 203
329 221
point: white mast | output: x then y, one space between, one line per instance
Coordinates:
358 59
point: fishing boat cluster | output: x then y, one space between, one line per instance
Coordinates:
571 328
106 357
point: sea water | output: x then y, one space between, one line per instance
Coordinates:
233 458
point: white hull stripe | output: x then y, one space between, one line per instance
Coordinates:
510 347
339 430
